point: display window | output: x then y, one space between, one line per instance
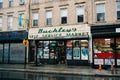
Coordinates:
103 48
84 49
118 51
77 50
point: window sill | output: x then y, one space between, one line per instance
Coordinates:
100 21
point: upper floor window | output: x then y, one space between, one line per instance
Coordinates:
10 21
34 1
48 0
35 19
80 14
63 14
10 3
100 11
1 3
0 22
21 20
118 10
22 2
48 17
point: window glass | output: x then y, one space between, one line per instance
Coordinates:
1 53
35 1
35 19
103 48
10 21
80 13
10 3
1 3
84 50
49 17
0 22
100 11
118 10
63 13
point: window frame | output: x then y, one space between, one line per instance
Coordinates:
101 13
35 21
1 21
117 10
64 16
10 22
10 3
78 15
49 17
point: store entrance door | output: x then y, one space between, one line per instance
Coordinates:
61 52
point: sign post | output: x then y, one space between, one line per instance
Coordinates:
25 43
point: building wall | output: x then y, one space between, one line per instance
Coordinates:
15 10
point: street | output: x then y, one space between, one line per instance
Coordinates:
14 75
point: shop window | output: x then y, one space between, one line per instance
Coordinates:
118 51
100 11
84 50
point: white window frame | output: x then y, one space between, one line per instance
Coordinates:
1 22
10 21
63 14
34 17
117 9
80 11
100 9
48 17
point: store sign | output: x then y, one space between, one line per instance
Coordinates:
57 32
98 61
117 29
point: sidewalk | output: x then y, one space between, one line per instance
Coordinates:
60 69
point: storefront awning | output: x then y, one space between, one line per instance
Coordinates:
12 36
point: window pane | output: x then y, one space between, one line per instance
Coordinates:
64 20
100 17
118 14
35 22
80 18
49 21
63 12
1 4
100 8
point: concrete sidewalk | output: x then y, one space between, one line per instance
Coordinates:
60 69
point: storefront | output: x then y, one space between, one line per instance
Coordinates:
106 45
60 45
11 48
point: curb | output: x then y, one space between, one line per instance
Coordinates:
60 72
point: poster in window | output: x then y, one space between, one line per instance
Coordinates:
118 62
40 53
98 61
52 54
76 53
69 53
46 53
84 53
109 61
